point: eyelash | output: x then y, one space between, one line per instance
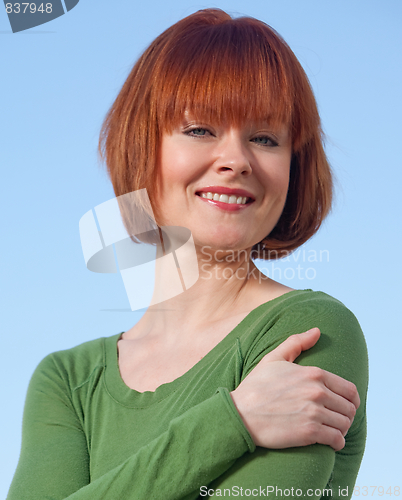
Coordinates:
272 141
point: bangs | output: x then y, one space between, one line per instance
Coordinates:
230 73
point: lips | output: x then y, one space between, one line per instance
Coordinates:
221 198
228 191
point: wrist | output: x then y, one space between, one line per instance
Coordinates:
237 403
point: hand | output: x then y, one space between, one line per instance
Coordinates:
283 404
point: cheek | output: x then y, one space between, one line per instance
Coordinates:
166 172
174 166
278 181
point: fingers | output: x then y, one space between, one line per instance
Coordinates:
334 402
342 387
326 427
333 392
324 416
284 404
293 346
341 406
337 421
329 436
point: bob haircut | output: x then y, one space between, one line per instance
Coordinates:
221 70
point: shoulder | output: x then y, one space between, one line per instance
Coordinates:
341 335
297 311
305 309
339 327
341 348
75 365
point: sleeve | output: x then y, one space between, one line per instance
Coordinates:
316 470
54 460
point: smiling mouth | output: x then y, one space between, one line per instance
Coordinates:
225 198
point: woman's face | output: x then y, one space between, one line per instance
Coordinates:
235 165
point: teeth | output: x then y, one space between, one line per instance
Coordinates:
224 198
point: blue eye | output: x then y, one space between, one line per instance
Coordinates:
265 140
199 132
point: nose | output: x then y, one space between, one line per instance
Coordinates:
232 154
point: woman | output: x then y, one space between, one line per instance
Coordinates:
201 398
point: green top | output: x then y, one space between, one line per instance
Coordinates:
87 436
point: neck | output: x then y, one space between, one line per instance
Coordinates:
228 284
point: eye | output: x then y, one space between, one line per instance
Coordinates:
197 132
265 140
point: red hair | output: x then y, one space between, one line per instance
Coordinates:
221 70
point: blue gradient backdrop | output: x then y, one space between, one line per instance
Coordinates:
58 81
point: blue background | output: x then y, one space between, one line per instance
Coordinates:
58 81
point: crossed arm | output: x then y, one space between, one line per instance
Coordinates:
283 408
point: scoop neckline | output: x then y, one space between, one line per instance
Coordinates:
132 398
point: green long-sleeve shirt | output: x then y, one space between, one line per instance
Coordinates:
87 436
